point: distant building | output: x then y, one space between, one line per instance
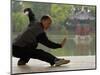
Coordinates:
80 18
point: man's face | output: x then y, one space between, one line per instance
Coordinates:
46 23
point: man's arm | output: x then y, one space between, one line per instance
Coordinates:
42 38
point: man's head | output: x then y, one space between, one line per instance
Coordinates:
46 21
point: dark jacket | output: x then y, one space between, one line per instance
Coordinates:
33 35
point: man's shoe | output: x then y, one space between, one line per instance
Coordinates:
61 62
21 62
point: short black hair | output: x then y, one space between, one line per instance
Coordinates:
45 17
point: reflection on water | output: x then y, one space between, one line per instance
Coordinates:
75 45
82 44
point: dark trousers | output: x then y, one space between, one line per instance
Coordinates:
25 53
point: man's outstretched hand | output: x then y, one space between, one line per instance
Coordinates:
63 42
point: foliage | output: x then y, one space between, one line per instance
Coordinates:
19 21
60 12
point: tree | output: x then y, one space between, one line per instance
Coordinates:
19 21
60 12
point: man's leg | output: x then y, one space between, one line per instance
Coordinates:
26 53
38 54
18 52
42 55
47 57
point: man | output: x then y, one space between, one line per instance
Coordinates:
25 45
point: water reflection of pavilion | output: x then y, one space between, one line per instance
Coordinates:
82 24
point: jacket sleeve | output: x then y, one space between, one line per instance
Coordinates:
43 39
